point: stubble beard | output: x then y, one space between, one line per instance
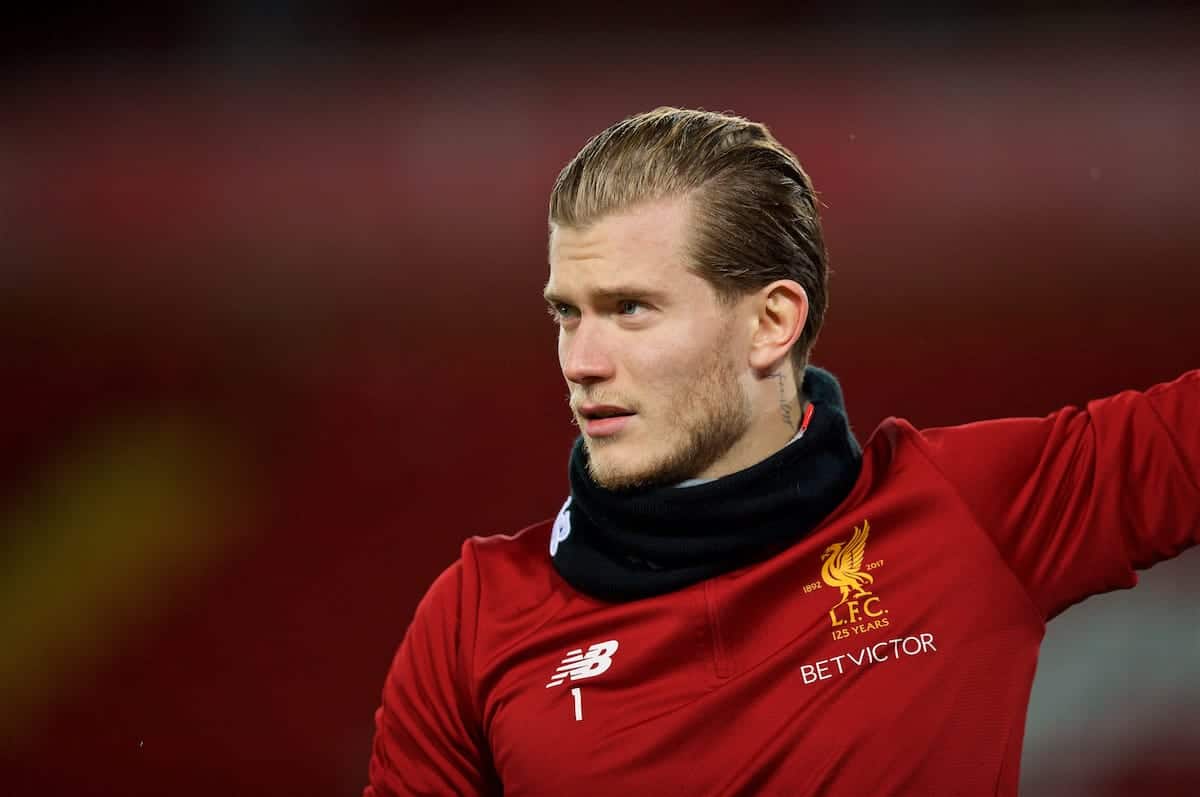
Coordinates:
711 416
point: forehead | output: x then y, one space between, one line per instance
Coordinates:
645 245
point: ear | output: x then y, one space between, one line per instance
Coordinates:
782 309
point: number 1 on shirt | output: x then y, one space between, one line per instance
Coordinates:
578 704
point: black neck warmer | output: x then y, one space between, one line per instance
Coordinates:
630 544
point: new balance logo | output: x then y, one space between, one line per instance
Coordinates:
580 664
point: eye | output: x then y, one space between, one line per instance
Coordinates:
628 307
560 311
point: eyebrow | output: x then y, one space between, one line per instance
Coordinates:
609 294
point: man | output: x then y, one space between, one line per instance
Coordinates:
736 598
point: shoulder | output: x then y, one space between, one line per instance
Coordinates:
515 564
497 581
511 571
896 449
520 555
887 441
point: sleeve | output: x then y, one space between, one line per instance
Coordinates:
427 738
1079 500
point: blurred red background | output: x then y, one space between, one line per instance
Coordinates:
273 344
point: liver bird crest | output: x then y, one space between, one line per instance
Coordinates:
843 565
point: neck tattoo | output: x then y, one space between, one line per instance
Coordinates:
785 406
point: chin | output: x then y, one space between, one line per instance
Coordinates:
618 480
612 471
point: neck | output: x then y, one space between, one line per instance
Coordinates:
777 411
805 418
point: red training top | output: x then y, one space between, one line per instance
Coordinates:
891 651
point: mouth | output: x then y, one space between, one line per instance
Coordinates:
604 420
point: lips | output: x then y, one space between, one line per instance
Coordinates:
600 411
604 420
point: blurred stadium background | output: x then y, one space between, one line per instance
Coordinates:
272 342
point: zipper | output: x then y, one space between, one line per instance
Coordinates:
722 665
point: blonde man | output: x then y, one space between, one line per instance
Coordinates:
736 598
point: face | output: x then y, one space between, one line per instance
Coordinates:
655 362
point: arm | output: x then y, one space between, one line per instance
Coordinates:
427 738
1078 500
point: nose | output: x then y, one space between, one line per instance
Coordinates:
583 354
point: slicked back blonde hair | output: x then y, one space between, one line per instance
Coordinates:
755 212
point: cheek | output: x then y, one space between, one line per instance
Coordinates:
666 373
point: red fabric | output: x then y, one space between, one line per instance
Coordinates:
770 680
